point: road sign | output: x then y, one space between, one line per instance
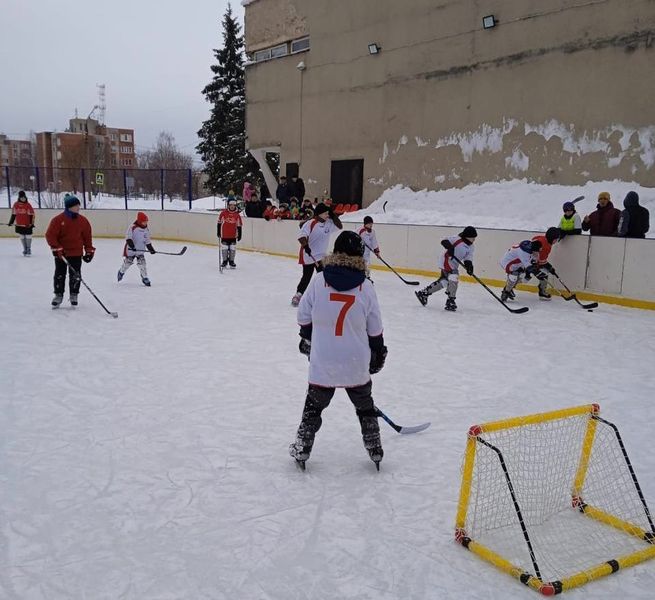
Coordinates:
100 178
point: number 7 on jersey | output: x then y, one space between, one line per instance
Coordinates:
348 301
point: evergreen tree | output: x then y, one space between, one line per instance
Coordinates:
223 135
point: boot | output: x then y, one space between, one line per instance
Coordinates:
57 300
375 454
450 304
233 265
145 281
295 301
422 297
73 299
299 453
544 295
504 295
120 275
512 295
224 264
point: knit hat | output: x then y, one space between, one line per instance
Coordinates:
604 195
368 220
631 199
70 201
320 209
469 232
349 243
568 206
141 217
22 195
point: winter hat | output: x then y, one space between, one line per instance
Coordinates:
568 206
141 217
631 199
553 233
320 209
468 232
22 195
368 220
604 195
70 201
349 243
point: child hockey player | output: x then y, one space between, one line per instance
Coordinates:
137 241
314 239
544 268
518 260
69 235
570 223
458 246
370 241
22 213
341 332
229 230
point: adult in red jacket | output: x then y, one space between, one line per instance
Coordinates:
22 213
605 219
544 268
69 236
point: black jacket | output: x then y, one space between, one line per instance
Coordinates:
282 193
635 219
297 189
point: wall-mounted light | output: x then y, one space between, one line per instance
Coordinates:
489 22
301 65
374 48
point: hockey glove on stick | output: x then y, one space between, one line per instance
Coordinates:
468 265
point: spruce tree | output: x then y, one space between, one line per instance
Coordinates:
223 136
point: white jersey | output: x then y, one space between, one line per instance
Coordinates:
370 243
141 238
463 251
318 238
516 258
341 323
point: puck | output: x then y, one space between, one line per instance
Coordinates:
590 310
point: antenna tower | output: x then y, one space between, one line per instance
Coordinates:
102 105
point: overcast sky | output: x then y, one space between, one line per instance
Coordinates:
153 55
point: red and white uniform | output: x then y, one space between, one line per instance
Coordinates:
230 220
516 258
370 241
24 213
341 323
141 238
463 251
318 239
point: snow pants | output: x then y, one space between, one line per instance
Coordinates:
140 261
449 280
73 277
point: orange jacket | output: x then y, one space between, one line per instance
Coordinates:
546 247
71 234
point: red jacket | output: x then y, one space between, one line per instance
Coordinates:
230 222
546 247
73 235
603 221
24 214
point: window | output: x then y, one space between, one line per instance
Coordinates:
127 162
300 45
279 51
126 149
126 137
261 55
112 137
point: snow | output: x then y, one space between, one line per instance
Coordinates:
514 204
145 457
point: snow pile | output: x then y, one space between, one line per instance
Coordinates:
514 204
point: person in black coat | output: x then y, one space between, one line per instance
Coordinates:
282 193
635 219
297 188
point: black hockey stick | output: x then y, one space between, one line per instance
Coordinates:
400 428
78 274
220 254
516 311
576 200
392 269
180 253
588 306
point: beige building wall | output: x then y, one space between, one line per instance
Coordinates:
560 91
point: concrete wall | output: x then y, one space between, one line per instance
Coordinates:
559 92
619 268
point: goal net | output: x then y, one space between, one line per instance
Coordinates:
552 499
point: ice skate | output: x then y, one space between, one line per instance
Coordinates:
232 265
57 300
73 299
299 453
450 305
224 264
504 296
422 297
119 275
295 301
543 295
145 281
376 453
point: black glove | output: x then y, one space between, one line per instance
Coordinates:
218 230
378 357
305 347
130 244
87 258
150 249
238 234
550 269
58 252
308 250
468 265
9 224
449 247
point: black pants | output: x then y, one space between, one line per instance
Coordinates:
307 272
73 278
318 399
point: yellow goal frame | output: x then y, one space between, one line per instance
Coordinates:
533 580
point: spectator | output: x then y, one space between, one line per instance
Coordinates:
282 193
283 212
294 209
635 219
269 211
605 219
297 187
570 223
248 191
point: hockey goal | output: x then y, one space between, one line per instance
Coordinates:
552 499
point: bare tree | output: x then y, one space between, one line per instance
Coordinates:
167 156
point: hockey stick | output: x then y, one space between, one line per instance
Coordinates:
180 253
400 428
220 254
576 200
78 274
516 311
392 269
588 306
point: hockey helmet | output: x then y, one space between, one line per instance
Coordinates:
349 243
553 234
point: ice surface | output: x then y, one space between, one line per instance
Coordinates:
145 457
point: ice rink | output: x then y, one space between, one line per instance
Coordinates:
145 457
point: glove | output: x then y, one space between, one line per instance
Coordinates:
550 269
58 252
305 347
88 257
218 230
130 244
378 357
468 265
449 247
308 250
151 249
239 234
9 224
